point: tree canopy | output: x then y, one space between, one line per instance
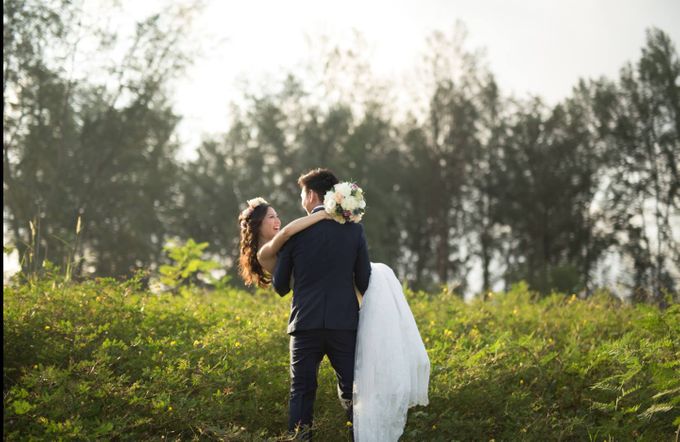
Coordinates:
568 197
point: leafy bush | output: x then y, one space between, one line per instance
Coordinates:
187 264
103 359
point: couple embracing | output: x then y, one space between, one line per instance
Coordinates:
373 345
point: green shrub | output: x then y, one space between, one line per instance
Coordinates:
105 360
187 264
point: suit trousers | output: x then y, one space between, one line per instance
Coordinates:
307 349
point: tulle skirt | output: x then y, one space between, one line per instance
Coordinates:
391 369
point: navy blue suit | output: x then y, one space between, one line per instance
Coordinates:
325 260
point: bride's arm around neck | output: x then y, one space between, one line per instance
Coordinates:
267 253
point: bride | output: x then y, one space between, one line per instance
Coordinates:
391 369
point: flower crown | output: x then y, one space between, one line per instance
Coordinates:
252 205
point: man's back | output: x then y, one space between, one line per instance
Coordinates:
325 261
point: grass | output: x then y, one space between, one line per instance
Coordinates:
105 360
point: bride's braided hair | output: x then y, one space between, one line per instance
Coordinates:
250 221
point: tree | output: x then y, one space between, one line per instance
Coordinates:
640 120
440 151
74 147
546 182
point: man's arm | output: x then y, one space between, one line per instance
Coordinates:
283 269
362 265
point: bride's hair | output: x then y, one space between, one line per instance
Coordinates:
250 221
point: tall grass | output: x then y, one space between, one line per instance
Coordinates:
34 259
104 359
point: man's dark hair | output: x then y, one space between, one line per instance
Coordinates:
318 180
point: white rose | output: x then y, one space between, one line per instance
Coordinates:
349 204
345 189
362 204
329 201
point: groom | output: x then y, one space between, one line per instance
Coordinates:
326 261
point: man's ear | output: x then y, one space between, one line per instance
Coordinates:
315 195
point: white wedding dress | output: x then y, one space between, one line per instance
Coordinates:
391 368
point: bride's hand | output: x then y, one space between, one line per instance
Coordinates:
322 214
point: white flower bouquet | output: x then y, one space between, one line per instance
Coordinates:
345 202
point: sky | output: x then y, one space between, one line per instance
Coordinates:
534 47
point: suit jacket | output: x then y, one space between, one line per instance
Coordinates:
325 260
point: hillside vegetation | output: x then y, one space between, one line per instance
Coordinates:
103 359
